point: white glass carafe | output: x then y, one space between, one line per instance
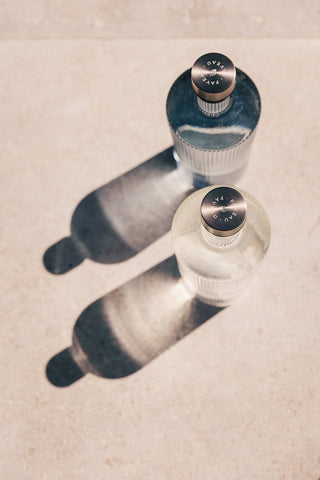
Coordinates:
220 236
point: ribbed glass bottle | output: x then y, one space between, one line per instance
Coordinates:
220 236
213 110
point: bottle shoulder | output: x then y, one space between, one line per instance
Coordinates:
183 110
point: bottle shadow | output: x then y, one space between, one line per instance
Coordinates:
123 217
121 332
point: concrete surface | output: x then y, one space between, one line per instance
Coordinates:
160 19
238 398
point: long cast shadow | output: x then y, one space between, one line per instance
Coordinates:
121 218
127 328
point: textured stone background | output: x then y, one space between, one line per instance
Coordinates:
83 88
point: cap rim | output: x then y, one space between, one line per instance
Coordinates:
213 97
222 233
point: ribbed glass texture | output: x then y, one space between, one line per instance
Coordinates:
214 109
212 141
217 241
216 269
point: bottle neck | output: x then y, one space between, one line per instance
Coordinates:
216 241
214 109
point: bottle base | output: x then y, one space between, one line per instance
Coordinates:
216 292
221 302
198 180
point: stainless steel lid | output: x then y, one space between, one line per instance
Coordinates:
223 211
213 77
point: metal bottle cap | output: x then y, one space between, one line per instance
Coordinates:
213 77
223 211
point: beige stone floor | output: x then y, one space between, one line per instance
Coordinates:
83 89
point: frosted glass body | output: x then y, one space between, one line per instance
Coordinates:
212 141
218 270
